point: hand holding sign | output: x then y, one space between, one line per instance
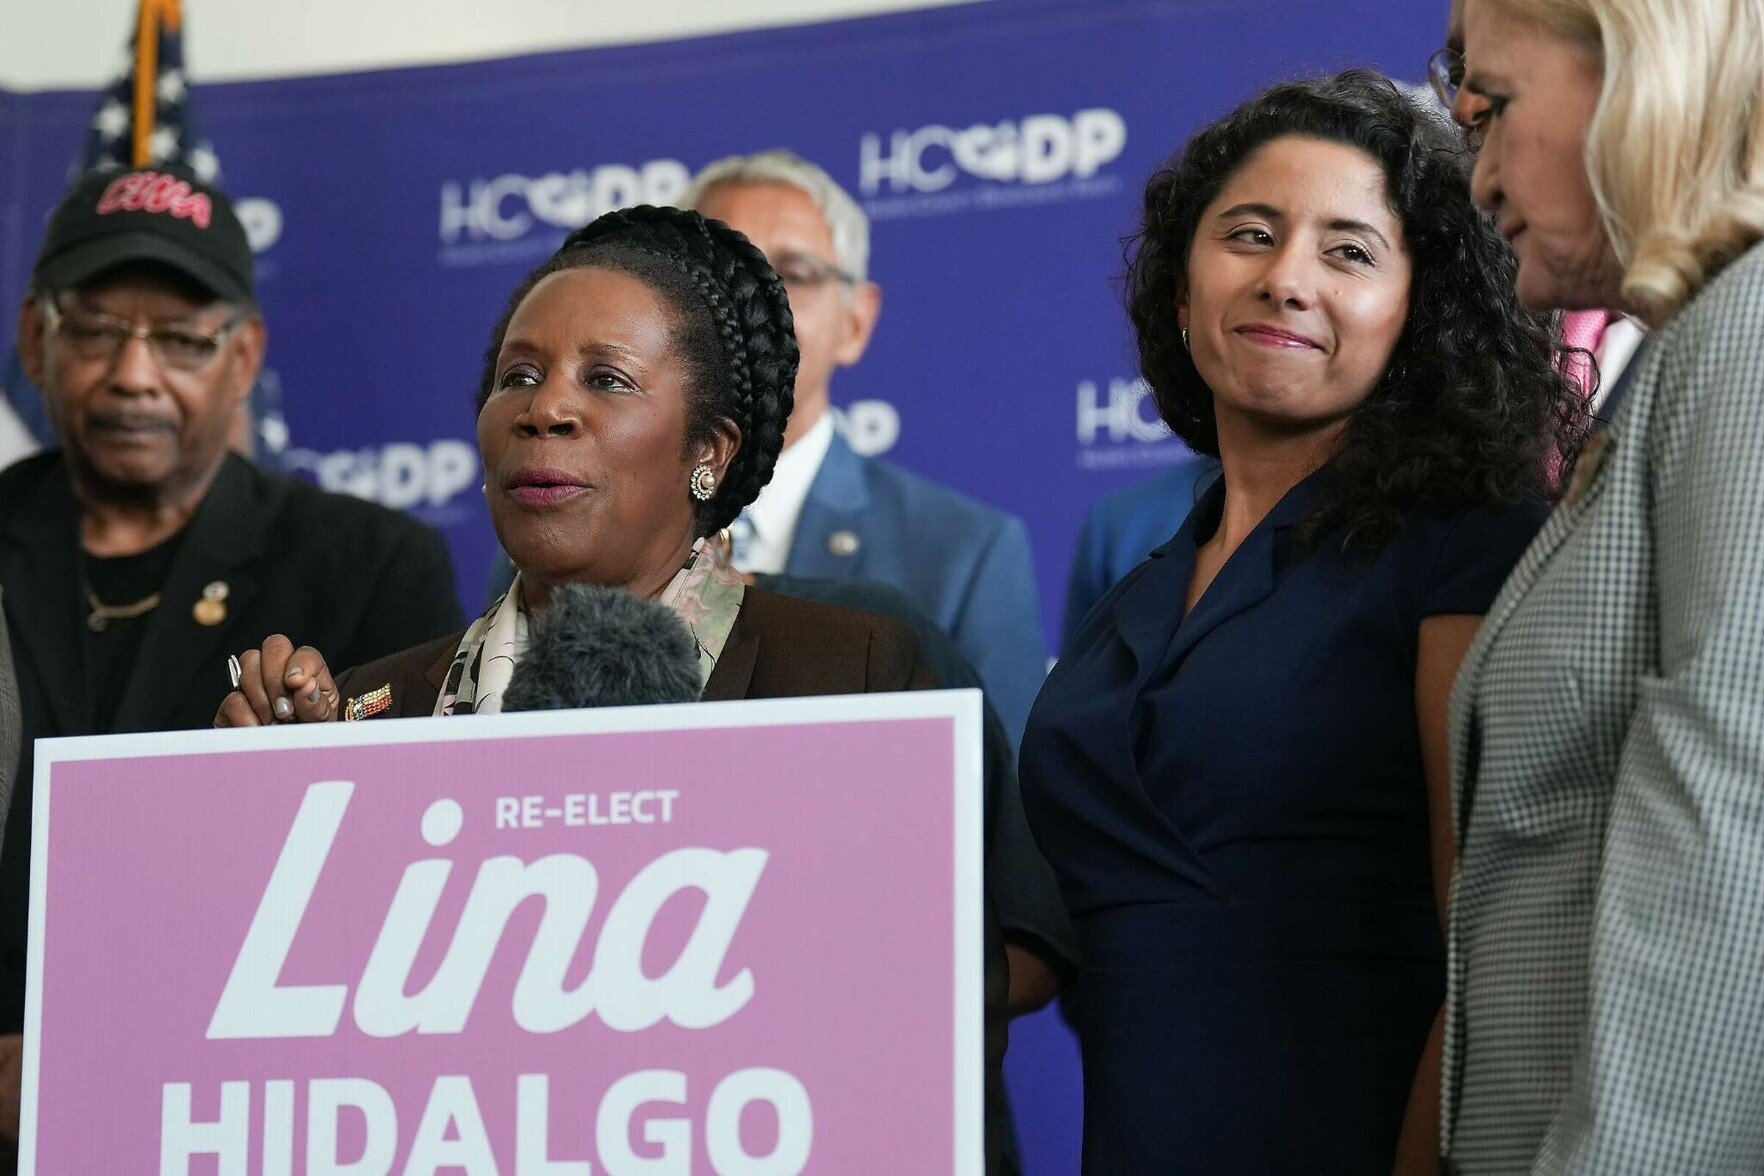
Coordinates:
280 684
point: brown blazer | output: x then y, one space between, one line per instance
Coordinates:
780 647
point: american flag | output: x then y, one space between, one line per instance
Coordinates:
144 119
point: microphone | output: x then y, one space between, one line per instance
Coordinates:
597 646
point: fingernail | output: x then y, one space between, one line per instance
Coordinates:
283 708
312 693
292 674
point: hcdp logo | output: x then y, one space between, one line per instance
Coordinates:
871 427
1038 149
262 221
1119 412
400 475
508 206
1119 427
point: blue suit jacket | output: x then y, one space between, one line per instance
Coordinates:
1122 529
965 564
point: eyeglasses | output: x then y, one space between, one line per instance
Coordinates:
1445 72
100 338
805 273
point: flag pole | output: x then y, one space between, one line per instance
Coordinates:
154 14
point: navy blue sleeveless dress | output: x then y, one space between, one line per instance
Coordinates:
1236 808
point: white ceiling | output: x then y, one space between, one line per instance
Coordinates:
69 44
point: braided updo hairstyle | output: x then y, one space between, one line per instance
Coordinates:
732 327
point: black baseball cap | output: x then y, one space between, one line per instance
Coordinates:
162 214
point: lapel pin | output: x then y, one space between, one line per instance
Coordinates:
368 705
843 543
211 610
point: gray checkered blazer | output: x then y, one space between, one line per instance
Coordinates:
1606 986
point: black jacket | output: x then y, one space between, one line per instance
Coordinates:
353 579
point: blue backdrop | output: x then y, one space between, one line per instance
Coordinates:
999 148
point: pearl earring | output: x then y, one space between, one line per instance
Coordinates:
704 483
1185 346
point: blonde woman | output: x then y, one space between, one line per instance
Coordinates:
1606 977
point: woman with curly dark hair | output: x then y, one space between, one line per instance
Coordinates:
1238 768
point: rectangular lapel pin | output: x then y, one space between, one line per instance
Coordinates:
368 705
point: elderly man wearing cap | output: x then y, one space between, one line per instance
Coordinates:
139 553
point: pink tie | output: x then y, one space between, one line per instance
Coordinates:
1583 329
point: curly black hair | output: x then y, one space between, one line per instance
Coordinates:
1474 401
733 328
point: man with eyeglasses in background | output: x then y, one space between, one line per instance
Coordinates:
1609 337
829 512
140 552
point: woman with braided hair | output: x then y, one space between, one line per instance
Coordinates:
632 402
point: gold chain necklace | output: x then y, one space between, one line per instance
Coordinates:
103 614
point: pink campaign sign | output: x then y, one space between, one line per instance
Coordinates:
729 938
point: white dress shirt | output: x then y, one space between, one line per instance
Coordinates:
774 513
1622 336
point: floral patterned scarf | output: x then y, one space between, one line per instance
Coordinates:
705 593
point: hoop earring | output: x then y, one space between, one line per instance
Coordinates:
703 483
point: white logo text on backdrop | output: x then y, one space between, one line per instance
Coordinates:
426 479
1037 159
1118 427
496 219
871 427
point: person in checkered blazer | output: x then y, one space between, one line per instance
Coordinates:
1606 953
